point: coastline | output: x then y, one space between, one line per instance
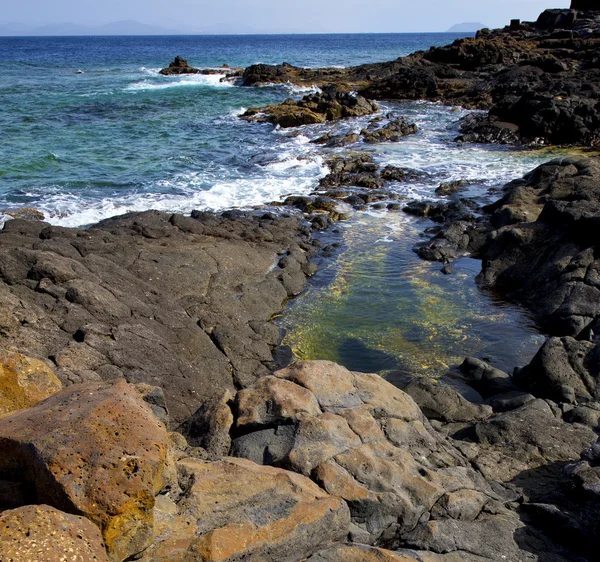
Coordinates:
180 436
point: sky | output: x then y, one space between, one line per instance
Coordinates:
279 16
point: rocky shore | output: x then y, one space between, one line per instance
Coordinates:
148 411
537 80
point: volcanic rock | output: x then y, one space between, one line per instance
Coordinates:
44 534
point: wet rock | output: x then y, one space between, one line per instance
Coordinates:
24 381
25 213
439 401
335 141
392 132
235 509
329 105
44 534
94 448
179 66
358 170
452 188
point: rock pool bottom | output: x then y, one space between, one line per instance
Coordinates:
376 306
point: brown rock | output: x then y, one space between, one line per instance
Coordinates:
236 510
24 381
96 449
44 534
272 399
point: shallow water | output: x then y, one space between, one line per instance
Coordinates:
377 306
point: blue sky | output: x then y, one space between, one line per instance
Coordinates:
279 15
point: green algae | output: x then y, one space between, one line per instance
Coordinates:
376 306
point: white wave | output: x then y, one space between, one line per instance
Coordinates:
188 80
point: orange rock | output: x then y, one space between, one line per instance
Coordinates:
272 399
96 449
44 534
24 381
239 510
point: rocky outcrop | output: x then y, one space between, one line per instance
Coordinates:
178 302
537 79
179 66
330 105
542 251
44 534
392 132
94 449
24 381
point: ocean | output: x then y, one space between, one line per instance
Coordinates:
118 137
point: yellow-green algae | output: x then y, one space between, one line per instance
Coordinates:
376 306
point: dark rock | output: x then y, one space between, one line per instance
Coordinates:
486 379
156 298
392 132
179 66
440 401
329 105
542 252
334 141
564 370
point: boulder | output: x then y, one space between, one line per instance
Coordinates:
439 401
44 534
392 132
94 449
526 438
24 381
236 510
563 370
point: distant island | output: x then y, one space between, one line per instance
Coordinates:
125 27
467 27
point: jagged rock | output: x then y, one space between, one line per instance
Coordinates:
24 381
563 370
329 105
96 449
44 534
238 510
357 170
542 252
179 66
392 132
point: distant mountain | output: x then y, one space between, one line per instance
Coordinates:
466 27
126 27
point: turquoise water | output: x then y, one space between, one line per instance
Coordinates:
82 147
